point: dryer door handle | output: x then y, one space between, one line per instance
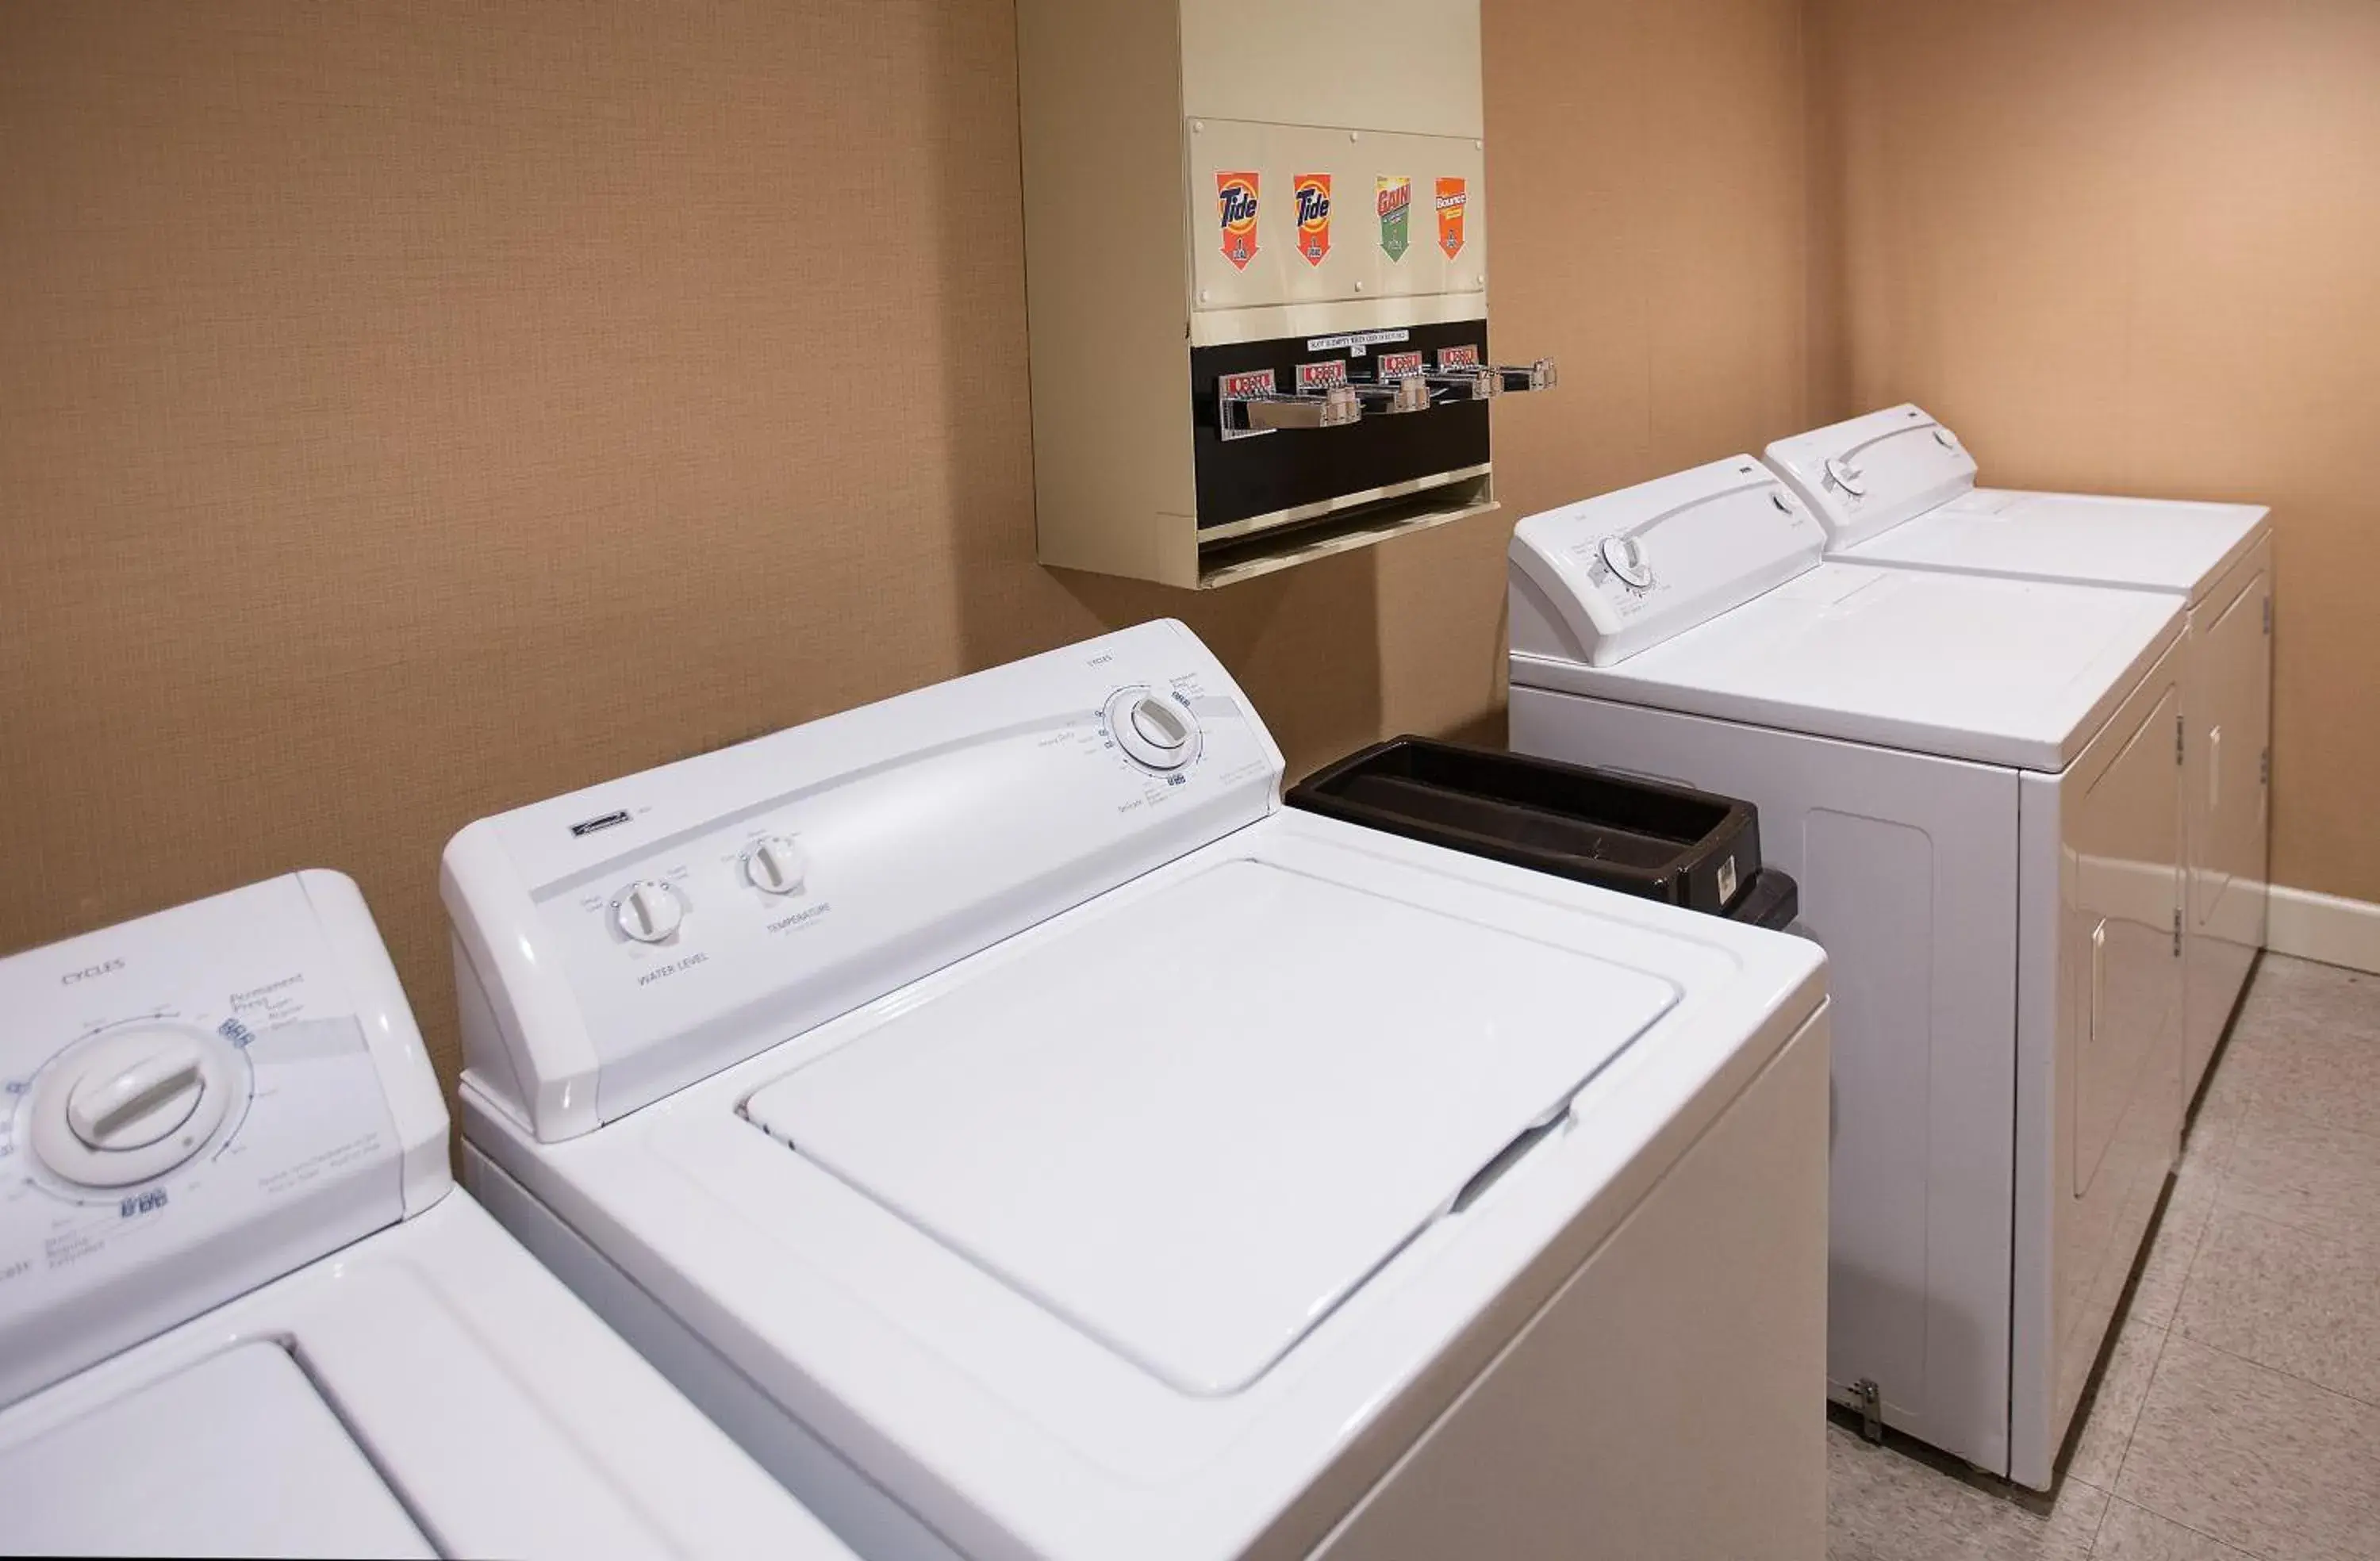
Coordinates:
2098 977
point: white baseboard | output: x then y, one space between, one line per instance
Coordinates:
2324 927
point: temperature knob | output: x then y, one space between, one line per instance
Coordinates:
132 1105
1154 731
1847 476
775 865
649 911
1625 557
1946 439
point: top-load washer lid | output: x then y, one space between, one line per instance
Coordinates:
2145 544
1865 476
1194 1125
237 1455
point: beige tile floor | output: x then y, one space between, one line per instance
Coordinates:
2240 1413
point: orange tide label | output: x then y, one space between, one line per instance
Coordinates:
1313 194
1453 195
1235 204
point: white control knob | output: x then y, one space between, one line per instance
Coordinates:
1153 730
649 911
775 865
1847 476
132 1105
1946 439
1626 556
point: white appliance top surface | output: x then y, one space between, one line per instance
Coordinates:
2143 543
2011 672
1044 1201
235 1455
1194 1126
501 1417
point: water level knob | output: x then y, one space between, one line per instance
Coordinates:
649 911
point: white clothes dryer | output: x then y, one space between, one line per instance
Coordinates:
1895 488
1976 783
1032 1140
243 1311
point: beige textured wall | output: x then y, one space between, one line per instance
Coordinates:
408 411
2129 246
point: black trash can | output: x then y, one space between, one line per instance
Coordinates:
1640 837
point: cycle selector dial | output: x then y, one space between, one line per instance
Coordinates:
776 864
129 1107
1153 730
649 911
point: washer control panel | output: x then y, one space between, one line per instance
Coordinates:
179 1096
717 906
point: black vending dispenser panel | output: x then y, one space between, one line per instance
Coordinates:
1267 473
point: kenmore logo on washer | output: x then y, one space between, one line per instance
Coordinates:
592 825
90 972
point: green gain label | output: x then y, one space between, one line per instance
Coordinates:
1396 215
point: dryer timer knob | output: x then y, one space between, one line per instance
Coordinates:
1625 556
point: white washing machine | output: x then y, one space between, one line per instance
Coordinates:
1031 1141
1976 783
243 1311
1895 488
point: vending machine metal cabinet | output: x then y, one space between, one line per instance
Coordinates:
1256 242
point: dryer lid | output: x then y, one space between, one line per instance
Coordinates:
1864 476
2145 544
237 1455
1197 1124
2014 673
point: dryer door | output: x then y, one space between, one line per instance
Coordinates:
2123 930
2231 673
2099 1097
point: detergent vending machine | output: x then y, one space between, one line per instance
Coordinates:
1256 244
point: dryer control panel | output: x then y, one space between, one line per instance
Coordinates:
1599 580
646 932
196 1102
1866 476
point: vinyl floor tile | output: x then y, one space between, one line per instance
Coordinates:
2123 1388
2297 1170
2259 1459
2297 1299
2134 1533
1883 1505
